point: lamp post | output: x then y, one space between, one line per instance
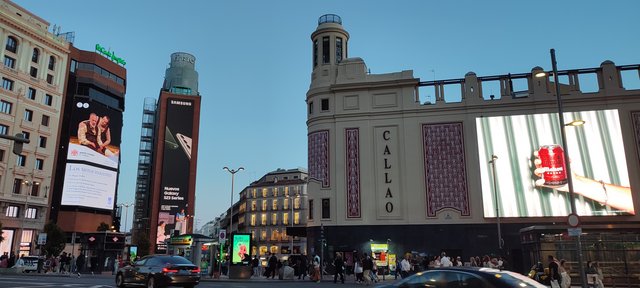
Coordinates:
126 214
583 276
495 196
233 173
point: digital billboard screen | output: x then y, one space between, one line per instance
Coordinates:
240 250
95 132
176 164
530 170
89 186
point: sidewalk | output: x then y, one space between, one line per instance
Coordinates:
326 279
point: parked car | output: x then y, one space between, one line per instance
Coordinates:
159 271
458 277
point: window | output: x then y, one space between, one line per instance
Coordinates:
338 49
264 192
296 203
48 100
35 189
1 155
45 120
263 219
26 134
73 66
324 104
325 50
285 204
17 186
285 218
52 63
311 107
253 219
43 142
254 193
5 107
35 55
33 72
274 204
4 129
50 79
264 205
296 218
263 235
275 191
286 190
31 93
311 209
21 160
254 205
39 164
7 84
12 44
28 115
274 219
326 208
9 62
275 235
31 213
12 211
315 53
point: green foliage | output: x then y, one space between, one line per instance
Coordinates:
103 227
55 239
141 239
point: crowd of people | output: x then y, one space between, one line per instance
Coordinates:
65 263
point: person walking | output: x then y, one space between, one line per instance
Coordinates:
273 266
254 263
80 264
405 266
339 265
554 272
367 266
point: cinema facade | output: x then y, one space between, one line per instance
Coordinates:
388 168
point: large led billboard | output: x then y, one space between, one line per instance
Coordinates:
240 250
176 163
530 177
93 156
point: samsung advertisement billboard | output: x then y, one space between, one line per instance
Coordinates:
176 164
530 168
93 156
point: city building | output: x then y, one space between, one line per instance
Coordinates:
142 205
273 210
174 155
458 174
33 76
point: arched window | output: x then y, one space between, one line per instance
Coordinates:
35 56
12 44
52 62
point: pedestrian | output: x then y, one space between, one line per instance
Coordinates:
367 266
358 270
554 272
80 264
338 263
303 267
564 273
405 266
316 269
272 266
254 264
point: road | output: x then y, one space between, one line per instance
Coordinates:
107 281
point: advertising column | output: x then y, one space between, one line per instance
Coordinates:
174 189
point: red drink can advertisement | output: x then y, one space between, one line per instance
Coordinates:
553 162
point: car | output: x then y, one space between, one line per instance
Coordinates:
458 277
159 271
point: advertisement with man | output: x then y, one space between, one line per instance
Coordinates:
174 191
93 156
530 168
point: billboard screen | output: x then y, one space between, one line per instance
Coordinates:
95 132
174 191
530 171
240 250
89 186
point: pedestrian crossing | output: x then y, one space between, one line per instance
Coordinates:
33 282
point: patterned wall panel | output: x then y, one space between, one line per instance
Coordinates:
444 165
352 144
319 156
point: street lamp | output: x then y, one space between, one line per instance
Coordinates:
233 173
495 196
583 276
126 214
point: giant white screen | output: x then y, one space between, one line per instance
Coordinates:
89 186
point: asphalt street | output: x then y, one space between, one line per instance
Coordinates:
105 281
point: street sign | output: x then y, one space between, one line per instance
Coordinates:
222 235
42 238
574 231
573 220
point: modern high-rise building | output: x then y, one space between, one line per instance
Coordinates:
33 78
174 155
461 174
273 210
142 204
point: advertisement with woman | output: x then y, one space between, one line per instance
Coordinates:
531 177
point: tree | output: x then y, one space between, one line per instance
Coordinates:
142 240
55 239
103 227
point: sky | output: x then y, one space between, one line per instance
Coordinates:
254 62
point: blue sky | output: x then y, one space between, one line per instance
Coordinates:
254 61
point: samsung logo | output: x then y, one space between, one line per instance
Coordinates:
181 103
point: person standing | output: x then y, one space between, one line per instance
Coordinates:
554 272
254 265
272 266
339 264
405 266
367 266
80 264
